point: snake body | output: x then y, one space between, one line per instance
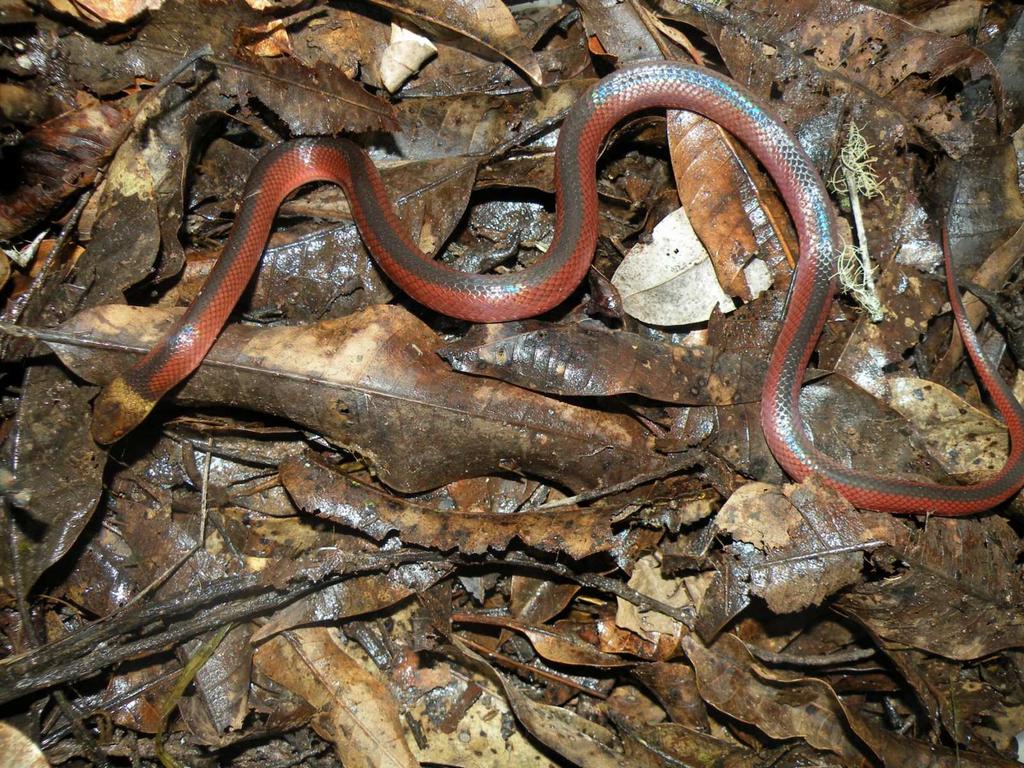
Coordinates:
490 298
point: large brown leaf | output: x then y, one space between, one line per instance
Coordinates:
959 596
357 712
58 471
373 383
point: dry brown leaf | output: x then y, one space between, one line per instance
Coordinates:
358 712
794 548
19 751
648 579
758 514
483 737
559 647
735 211
822 553
969 443
101 12
55 160
728 680
464 717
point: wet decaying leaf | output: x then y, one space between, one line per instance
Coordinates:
337 103
356 596
652 745
728 680
575 738
959 575
968 442
911 303
474 715
585 359
140 206
320 490
55 496
364 533
222 685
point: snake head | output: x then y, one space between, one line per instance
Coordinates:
117 410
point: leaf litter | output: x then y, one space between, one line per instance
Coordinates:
364 532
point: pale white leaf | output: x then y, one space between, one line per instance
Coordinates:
670 281
406 53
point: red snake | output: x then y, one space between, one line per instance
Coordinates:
487 298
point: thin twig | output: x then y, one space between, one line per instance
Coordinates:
686 461
157 582
528 669
103 644
203 53
684 615
203 495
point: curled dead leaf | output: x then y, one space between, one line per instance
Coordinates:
320 490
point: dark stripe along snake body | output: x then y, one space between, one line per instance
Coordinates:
489 298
